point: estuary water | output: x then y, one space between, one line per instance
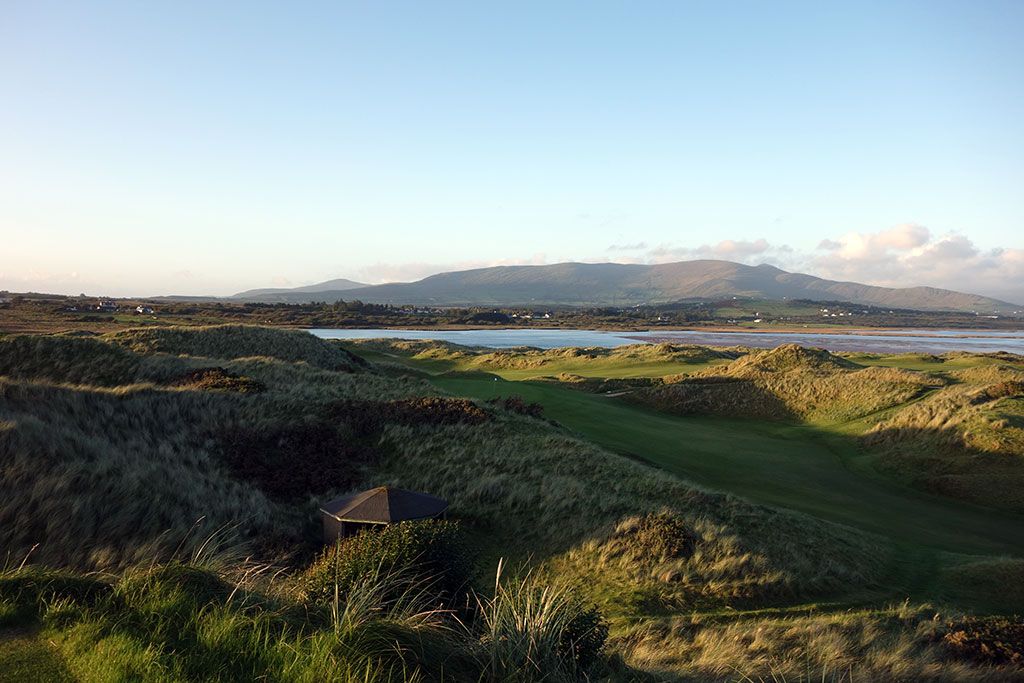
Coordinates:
874 341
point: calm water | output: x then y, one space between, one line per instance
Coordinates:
890 341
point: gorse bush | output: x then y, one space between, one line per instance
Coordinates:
986 640
661 535
433 552
371 417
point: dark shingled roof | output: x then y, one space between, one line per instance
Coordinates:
385 504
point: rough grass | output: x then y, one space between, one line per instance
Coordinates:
637 360
204 619
66 358
238 341
566 498
102 477
116 470
896 644
788 382
965 441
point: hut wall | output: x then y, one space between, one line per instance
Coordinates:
333 528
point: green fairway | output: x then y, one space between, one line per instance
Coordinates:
793 466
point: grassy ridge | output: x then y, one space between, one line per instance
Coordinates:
639 360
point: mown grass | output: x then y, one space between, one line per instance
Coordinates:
794 466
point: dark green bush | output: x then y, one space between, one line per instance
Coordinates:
432 552
584 638
516 404
292 460
218 379
370 417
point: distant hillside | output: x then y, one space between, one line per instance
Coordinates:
284 294
614 284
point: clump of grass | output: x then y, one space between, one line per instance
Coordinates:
535 631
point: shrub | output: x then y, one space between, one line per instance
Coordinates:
662 536
292 460
433 552
516 404
218 379
986 640
370 417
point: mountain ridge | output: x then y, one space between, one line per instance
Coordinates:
620 284
336 285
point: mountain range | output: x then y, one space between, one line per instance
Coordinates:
617 284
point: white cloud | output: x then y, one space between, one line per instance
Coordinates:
906 255
759 251
909 255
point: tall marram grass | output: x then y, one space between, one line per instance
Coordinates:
186 621
535 631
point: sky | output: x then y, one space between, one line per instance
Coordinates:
208 148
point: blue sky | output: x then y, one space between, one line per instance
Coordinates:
150 148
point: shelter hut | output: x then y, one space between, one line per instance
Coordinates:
351 514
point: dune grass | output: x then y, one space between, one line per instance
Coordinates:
897 643
128 472
639 360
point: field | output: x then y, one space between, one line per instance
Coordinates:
160 487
